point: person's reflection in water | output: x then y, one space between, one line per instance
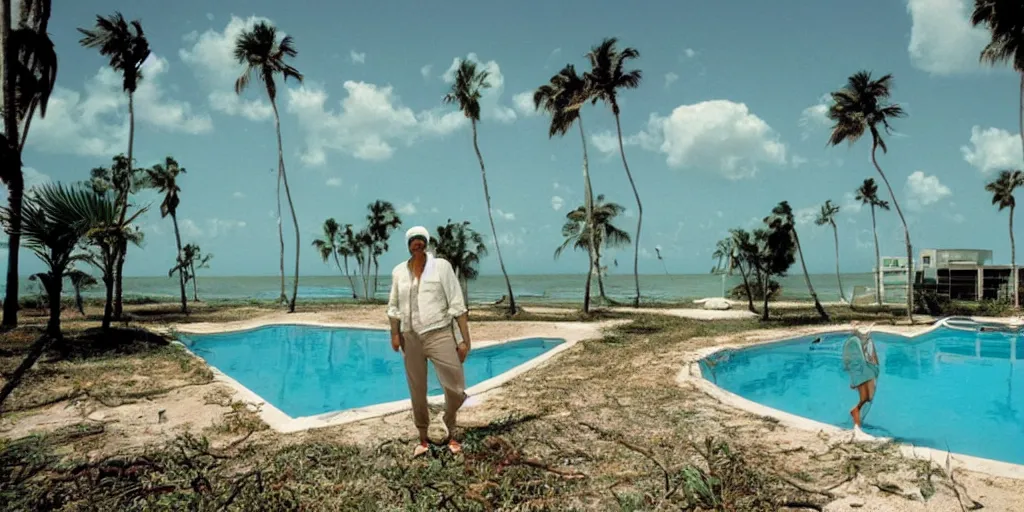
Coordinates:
860 360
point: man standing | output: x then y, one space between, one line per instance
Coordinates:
425 297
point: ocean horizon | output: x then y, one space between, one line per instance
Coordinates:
489 288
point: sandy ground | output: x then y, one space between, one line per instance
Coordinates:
203 408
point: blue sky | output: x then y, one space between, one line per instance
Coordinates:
727 123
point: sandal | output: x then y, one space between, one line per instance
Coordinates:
454 446
420 449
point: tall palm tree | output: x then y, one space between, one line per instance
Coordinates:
780 221
466 91
331 245
381 222
164 178
605 234
827 215
263 55
863 106
740 243
462 246
606 77
126 47
29 75
562 98
347 248
867 194
1004 22
1002 195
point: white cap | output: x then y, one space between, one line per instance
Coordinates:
416 231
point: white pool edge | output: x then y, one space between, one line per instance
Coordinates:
692 375
278 420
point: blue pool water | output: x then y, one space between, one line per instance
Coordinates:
948 389
307 370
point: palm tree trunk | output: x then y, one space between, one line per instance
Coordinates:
767 281
28 124
639 209
906 235
283 298
376 273
79 303
746 286
807 279
351 281
589 206
494 231
1013 262
600 276
108 307
464 285
195 286
878 259
291 207
122 248
54 287
16 186
181 268
839 277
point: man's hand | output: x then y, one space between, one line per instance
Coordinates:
396 341
463 351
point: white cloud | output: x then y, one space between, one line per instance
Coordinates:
213 62
797 161
851 204
504 215
490 100
557 203
805 216
357 57
993 149
211 228
407 209
238 195
333 182
942 40
814 117
690 53
370 120
923 190
716 135
670 78
31 177
425 70
95 122
523 103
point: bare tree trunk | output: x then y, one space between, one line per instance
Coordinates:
122 247
16 184
494 231
807 278
878 259
181 260
906 235
283 298
589 207
839 277
639 209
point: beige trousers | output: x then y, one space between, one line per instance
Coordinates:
439 347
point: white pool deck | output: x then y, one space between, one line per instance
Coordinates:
690 375
570 332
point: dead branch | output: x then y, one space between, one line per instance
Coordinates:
513 456
642 451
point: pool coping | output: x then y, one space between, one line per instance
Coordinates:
275 418
692 375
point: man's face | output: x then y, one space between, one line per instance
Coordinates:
417 246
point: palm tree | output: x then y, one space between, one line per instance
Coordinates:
331 245
1002 194
347 248
723 255
80 281
867 194
164 178
381 222
605 234
863 106
1003 20
781 221
563 97
606 77
466 91
29 74
263 55
740 252
463 247
192 258
103 240
127 48
827 215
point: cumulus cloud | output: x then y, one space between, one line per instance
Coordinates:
212 59
211 228
716 135
993 149
333 182
923 190
690 53
523 103
942 40
407 209
95 122
851 204
557 203
670 78
491 106
806 216
815 117
357 57
425 70
370 120
504 215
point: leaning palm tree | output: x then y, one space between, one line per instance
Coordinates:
126 47
28 80
606 77
466 91
462 246
605 234
562 98
164 178
381 222
331 245
867 194
781 220
827 215
1002 189
347 248
263 55
1004 22
863 106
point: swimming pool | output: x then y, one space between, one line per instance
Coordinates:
306 370
947 389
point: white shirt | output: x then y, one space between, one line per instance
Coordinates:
438 302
